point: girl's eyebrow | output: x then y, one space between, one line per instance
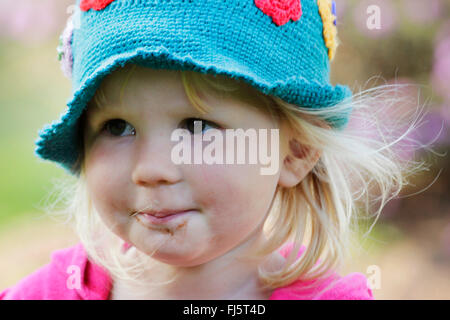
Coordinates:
95 107
102 108
98 111
100 102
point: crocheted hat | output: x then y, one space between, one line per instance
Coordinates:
281 47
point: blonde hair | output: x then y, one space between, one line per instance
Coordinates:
356 175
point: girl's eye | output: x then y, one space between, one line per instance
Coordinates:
202 124
116 127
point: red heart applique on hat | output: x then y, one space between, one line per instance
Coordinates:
97 5
281 11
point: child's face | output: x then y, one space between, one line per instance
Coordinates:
129 167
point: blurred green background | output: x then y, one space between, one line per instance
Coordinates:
411 241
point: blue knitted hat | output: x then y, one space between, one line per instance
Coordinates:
281 47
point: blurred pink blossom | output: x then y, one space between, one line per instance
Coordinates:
342 7
367 12
445 112
435 128
420 11
28 21
440 76
394 119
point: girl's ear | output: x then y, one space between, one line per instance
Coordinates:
297 163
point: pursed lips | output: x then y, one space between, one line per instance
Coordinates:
160 213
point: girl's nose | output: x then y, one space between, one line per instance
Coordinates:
153 164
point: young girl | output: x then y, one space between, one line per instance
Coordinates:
151 228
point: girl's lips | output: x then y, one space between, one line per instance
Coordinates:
162 220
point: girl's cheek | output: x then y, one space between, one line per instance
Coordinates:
95 152
217 186
102 170
209 181
105 153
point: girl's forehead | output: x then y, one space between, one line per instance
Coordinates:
140 80
155 80
142 86
137 87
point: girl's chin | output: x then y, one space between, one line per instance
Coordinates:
170 251
173 258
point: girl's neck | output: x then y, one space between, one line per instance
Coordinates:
250 291
214 280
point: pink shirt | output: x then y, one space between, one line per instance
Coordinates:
54 281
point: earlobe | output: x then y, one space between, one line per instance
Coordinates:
297 164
